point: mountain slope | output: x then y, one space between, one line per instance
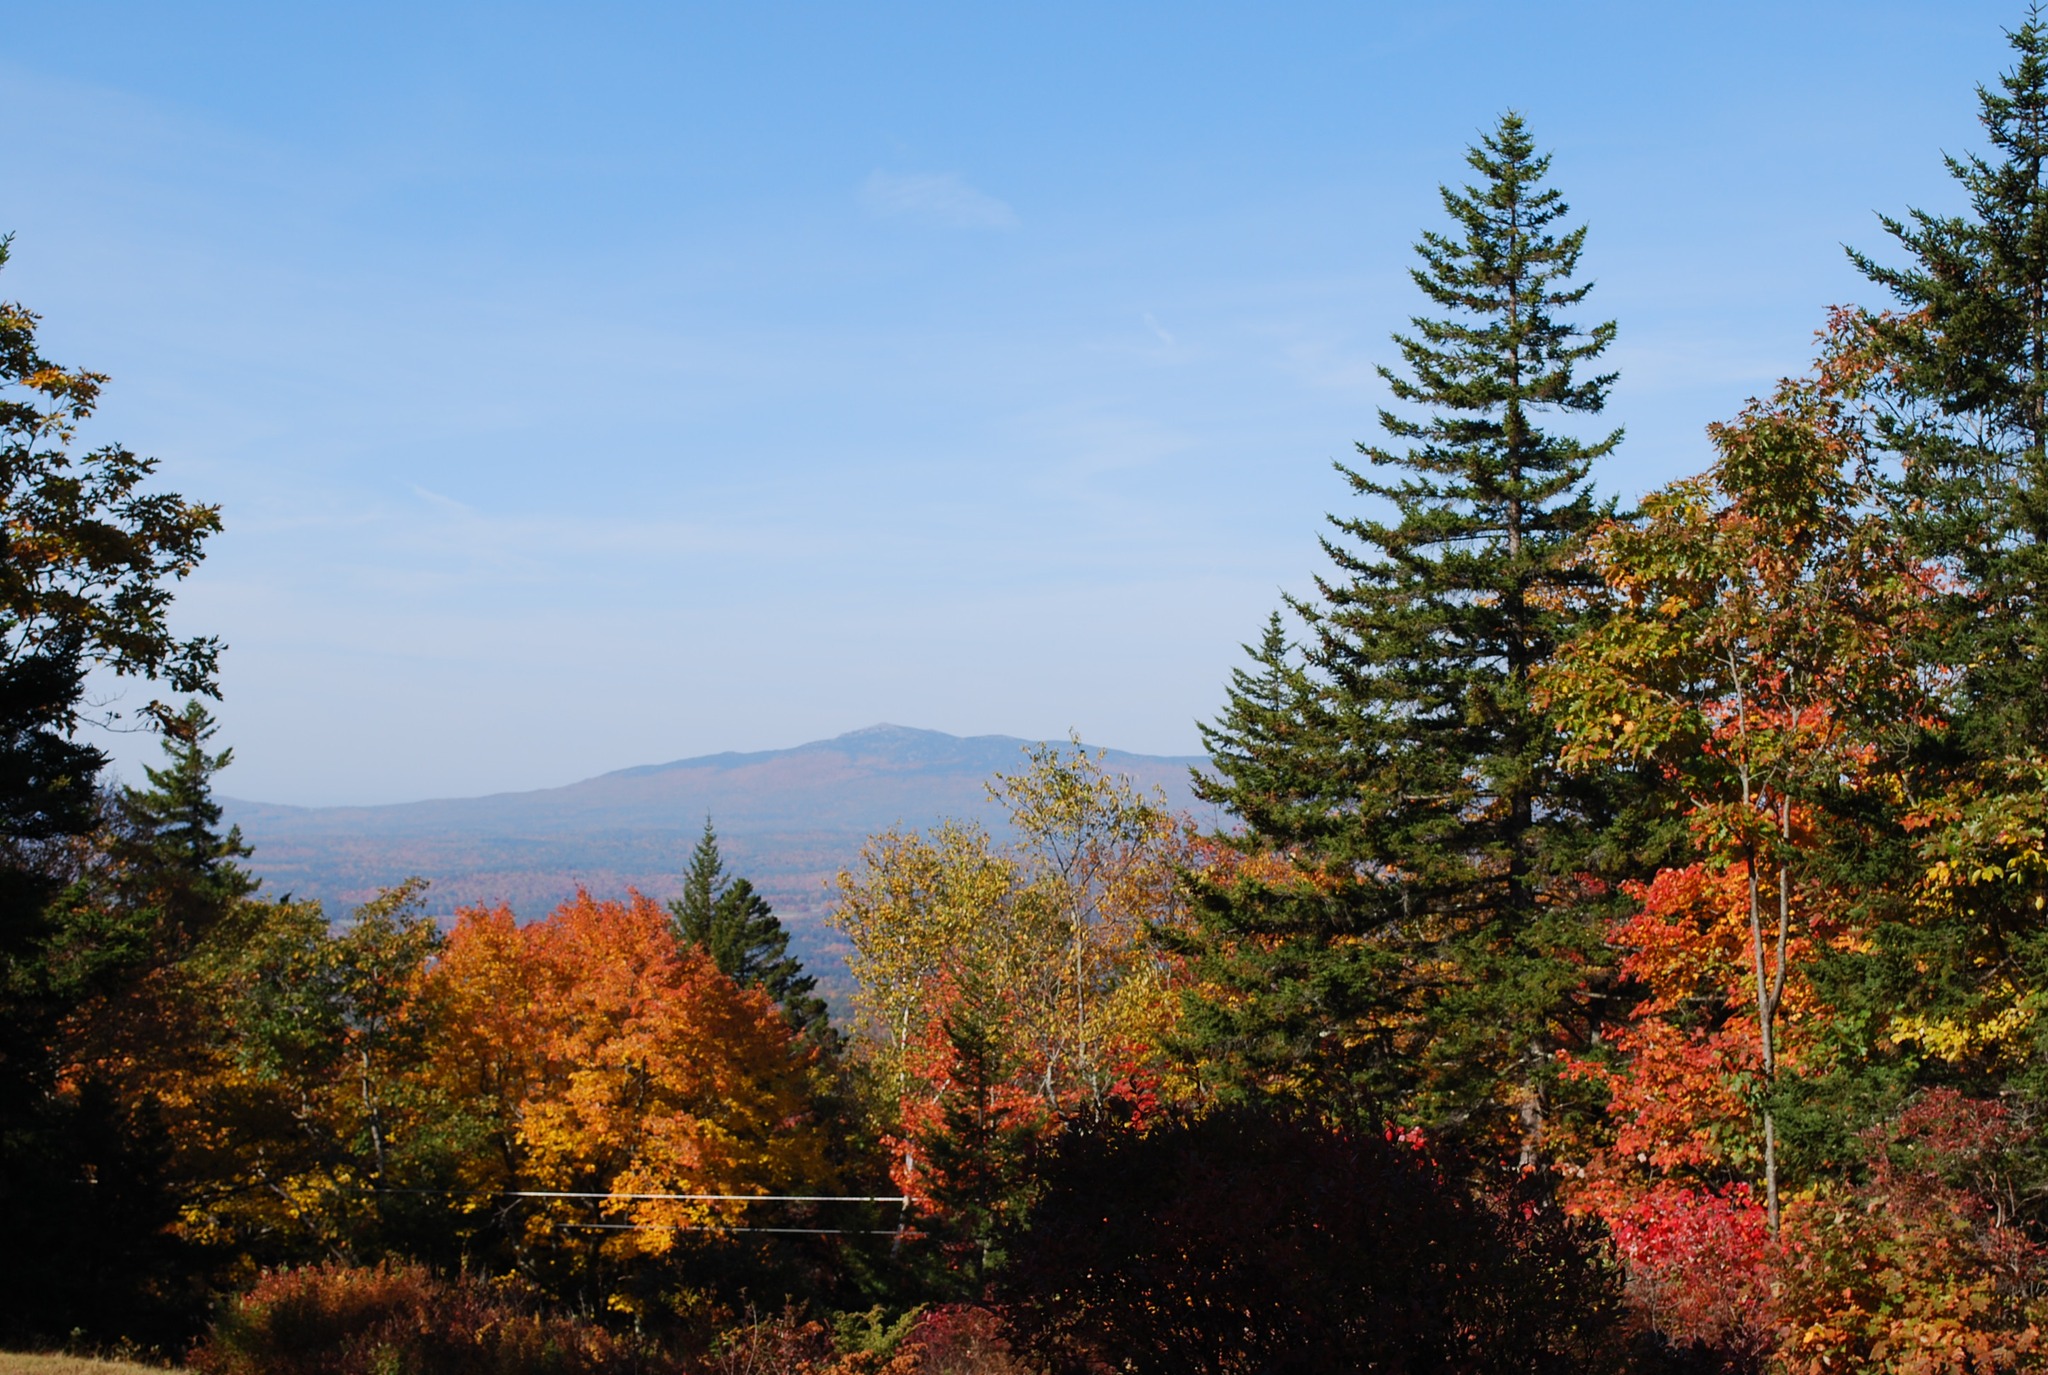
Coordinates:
787 819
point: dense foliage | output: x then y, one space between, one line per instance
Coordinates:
1314 1248
89 557
1792 719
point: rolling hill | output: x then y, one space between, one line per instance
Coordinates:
787 819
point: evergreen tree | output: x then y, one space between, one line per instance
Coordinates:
169 851
1969 349
703 881
1431 965
1255 746
90 1157
740 931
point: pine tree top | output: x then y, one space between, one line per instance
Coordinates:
169 850
1966 403
1503 275
1977 344
737 928
1478 473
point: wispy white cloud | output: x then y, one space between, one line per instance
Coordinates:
936 197
448 504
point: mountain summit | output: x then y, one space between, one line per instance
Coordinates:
788 819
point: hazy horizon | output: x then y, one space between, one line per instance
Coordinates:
1092 746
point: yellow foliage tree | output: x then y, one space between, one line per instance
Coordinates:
1055 925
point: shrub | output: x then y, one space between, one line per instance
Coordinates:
873 1333
1244 1243
954 1339
786 1344
399 1320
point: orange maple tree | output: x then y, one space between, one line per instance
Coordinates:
624 1065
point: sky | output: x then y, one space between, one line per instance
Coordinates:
594 385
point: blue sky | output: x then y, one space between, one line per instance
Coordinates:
594 385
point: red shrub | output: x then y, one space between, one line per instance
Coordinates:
956 1339
397 1320
787 1344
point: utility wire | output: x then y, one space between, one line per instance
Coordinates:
696 1198
653 1198
784 1231
685 1198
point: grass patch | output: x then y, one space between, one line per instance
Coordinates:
12 1363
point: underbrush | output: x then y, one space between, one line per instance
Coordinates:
953 1339
402 1320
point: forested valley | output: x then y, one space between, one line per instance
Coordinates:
1626 948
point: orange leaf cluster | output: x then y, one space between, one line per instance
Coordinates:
623 1063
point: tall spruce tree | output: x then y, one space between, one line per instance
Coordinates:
740 931
169 850
1427 962
1969 345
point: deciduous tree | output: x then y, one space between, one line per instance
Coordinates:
89 560
624 1066
1752 641
1005 991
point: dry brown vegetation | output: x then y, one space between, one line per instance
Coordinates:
15 1363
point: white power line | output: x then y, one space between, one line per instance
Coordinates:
649 1198
786 1231
694 1198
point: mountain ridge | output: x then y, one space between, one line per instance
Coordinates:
787 819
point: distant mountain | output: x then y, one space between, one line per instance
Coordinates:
787 819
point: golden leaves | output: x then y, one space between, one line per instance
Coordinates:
626 1064
1056 926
